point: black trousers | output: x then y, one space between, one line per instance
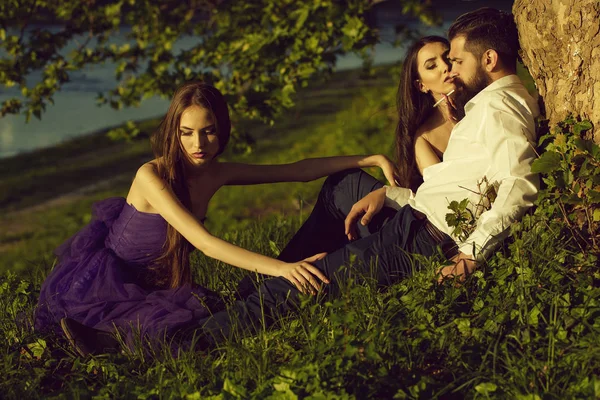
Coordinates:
382 253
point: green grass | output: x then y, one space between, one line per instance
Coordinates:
526 325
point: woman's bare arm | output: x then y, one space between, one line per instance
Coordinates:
302 171
163 200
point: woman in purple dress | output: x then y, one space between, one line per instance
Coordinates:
128 269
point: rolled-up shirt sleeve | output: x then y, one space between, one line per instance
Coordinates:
397 197
505 137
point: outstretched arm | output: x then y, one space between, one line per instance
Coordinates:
162 199
302 171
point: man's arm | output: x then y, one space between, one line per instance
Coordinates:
511 156
371 204
397 197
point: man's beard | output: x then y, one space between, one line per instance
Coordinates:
467 90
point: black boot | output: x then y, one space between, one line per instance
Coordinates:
86 340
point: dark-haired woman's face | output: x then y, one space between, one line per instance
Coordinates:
434 70
198 134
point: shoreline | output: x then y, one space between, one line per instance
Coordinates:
74 140
38 176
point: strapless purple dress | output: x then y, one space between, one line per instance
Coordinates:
96 281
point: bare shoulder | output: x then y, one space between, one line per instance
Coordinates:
434 132
147 171
144 177
422 142
422 133
425 153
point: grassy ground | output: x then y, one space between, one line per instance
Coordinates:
524 326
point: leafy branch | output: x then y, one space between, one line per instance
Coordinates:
570 168
258 53
464 214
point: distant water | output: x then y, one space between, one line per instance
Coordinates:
75 112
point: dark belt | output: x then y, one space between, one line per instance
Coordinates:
433 231
449 247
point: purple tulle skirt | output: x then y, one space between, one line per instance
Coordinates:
97 279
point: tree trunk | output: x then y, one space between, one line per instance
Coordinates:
560 41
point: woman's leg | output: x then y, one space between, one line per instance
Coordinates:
323 231
385 257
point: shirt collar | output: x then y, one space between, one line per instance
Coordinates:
497 84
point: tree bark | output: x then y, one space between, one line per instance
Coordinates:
560 45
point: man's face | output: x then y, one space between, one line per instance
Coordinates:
470 77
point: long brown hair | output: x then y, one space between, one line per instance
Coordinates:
172 268
414 107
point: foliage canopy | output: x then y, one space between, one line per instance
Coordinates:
256 52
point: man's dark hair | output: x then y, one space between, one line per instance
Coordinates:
488 28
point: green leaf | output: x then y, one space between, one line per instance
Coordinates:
486 388
274 248
37 348
451 219
582 126
583 144
570 120
548 162
283 392
560 141
312 43
463 325
594 196
400 394
596 215
453 205
533 316
353 27
302 16
568 177
236 391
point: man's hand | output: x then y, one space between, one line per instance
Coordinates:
463 266
368 206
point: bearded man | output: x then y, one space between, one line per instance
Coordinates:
492 145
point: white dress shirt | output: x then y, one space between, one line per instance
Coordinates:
495 140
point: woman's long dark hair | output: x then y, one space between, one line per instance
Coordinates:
172 268
414 107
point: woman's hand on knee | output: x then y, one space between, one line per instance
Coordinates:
304 276
367 207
